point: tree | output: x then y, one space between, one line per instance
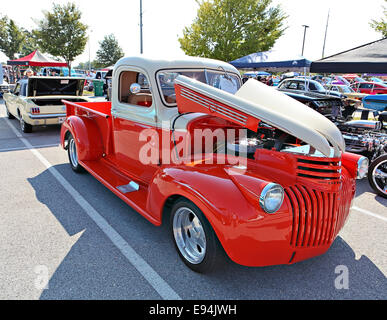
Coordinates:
109 52
381 25
29 44
11 37
61 32
229 29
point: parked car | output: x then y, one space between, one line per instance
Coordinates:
339 80
278 192
345 90
375 102
324 104
304 85
369 87
4 87
59 71
36 101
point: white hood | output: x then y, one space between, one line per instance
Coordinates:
274 108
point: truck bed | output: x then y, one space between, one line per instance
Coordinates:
102 108
98 112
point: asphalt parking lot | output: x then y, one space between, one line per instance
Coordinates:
69 229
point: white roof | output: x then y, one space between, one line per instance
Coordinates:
152 64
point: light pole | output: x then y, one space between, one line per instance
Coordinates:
303 43
141 49
325 37
89 52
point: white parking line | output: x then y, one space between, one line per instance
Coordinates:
26 148
150 275
369 213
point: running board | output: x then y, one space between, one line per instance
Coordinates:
130 187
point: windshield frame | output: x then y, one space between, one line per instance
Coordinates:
203 69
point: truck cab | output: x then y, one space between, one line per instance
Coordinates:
240 168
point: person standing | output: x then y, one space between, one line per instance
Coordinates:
28 73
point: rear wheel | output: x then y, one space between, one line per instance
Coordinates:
194 238
25 127
73 155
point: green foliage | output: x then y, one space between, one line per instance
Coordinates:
381 25
85 65
11 37
229 29
29 44
109 52
61 32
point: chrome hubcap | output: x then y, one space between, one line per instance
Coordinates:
189 235
379 176
73 153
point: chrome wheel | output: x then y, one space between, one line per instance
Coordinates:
73 153
189 235
379 176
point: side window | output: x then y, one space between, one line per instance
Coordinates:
301 86
312 86
292 85
365 86
142 97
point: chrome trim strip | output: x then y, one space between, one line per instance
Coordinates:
46 116
194 94
216 108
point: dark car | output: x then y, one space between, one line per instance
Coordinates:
304 85
329 106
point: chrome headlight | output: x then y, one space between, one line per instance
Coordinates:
271 197
362 167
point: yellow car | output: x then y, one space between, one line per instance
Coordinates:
37 101
345 90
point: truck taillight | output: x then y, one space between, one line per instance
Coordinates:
35 110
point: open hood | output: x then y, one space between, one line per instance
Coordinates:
255 102
55 86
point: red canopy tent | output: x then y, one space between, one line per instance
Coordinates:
36 59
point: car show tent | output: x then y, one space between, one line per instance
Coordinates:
36 59
368 58
272 60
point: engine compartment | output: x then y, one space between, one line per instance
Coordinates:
235 140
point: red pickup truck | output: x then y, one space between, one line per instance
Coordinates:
244 169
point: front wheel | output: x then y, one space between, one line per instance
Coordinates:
377 175
73 156
194 238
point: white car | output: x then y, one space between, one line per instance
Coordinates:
37 101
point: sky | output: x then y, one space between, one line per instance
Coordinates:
164 21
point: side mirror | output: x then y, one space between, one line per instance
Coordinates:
135 88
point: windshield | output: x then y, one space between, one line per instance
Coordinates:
219 79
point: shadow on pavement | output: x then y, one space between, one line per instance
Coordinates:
95 269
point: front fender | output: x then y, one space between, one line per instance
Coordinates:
87 137
238 223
